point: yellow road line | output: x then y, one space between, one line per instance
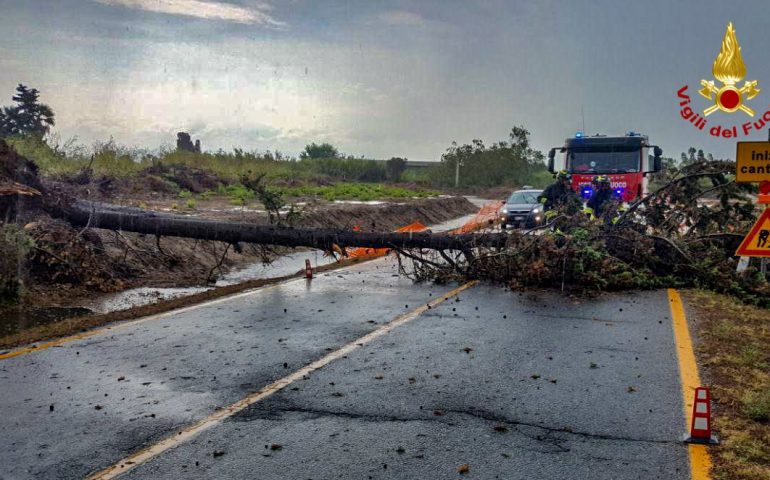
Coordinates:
217 417
700 459
36 347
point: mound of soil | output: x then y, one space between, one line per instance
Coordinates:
15 168
159 179
20 186
389 216
183 177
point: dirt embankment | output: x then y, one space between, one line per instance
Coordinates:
67 263
389 216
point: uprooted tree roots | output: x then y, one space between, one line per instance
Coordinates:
681 235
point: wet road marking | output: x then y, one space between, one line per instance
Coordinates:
36 347
700 459
217 417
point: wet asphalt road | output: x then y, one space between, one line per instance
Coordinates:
520 386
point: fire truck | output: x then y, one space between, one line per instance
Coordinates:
624 159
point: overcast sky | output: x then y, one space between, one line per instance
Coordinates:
375 78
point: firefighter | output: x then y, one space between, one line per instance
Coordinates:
602 198
558 194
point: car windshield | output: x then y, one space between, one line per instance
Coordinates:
523 197
605 161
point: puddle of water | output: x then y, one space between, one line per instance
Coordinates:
452 224
136 297
363 202
21 319
284 265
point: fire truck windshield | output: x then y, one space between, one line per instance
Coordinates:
604 161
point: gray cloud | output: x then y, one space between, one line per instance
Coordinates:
257 15
401 18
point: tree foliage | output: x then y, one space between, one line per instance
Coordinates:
28 116
508 162
394 168
323 150
683 234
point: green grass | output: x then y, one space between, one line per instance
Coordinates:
111 159
757 405
114 160
330 179
237 193
355 191
240 195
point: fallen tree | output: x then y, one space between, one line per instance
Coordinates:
99 215
682 234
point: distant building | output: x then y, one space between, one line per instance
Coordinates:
421 164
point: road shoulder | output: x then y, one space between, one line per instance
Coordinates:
732 345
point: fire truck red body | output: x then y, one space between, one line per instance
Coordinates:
625 160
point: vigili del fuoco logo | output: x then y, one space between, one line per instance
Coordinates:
724 94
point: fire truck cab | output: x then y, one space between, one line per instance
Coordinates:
625 160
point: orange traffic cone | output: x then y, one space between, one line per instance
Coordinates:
700 427
308 270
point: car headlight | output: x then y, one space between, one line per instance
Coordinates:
503 210
537 210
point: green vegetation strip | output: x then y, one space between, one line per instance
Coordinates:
340 191
733 349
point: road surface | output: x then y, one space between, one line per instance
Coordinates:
531 385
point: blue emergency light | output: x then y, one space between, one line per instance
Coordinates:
586 191
578 134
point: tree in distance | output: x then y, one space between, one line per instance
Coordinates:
28 116
394 168
323 150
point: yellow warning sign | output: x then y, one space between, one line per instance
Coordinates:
757 242
752 162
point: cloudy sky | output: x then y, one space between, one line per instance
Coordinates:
381 79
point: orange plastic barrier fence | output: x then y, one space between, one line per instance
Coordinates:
380 252
486 217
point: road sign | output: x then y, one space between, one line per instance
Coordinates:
757 242
752 162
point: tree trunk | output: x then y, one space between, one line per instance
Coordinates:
96 215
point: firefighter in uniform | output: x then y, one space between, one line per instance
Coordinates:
558 194
602 199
